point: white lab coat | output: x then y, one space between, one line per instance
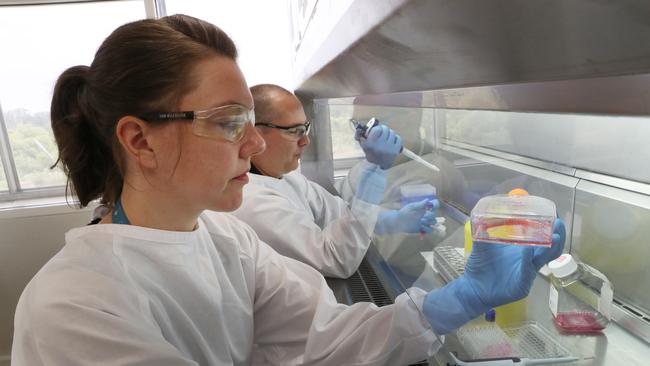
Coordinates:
127 295
301 220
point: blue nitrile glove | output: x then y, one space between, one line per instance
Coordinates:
494 275
381 146
371 184
413 218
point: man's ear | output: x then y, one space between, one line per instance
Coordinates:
132 134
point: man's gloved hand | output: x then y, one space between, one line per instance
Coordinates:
381 146
413 218
494 275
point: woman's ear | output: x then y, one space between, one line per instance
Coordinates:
132 133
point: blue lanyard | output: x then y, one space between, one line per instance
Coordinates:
119 217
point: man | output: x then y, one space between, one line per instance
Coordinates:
299 218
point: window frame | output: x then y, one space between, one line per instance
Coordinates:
153 9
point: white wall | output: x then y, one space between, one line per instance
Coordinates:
28 238
261 29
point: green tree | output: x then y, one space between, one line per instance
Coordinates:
343 143
34 149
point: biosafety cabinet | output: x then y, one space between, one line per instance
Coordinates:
549 96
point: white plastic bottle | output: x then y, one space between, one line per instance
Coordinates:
580 298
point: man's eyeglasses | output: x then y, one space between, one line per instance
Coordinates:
293 132
227 122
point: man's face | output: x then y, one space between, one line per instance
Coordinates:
283 150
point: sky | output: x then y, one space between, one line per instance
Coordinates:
39 42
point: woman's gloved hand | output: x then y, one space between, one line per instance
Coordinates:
381 146
416 217
494 275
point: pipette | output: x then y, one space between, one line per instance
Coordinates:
415 157
408 153
438 227
429 207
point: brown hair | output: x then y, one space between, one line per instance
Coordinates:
265 110
141 67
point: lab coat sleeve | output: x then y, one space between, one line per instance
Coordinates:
348 187
330 237
299 322
79 317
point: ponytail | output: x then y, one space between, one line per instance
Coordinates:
87 159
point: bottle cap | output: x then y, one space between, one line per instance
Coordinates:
491 315
518 192
563 266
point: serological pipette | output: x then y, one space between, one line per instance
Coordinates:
415 157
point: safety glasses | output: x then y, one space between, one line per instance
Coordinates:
293 132
226 122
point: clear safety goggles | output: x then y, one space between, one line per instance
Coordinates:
226 122
293 132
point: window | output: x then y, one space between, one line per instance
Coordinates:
344 146
3 180
414 125
40 42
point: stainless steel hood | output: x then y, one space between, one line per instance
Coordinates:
442 44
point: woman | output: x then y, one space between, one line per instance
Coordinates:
159 127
